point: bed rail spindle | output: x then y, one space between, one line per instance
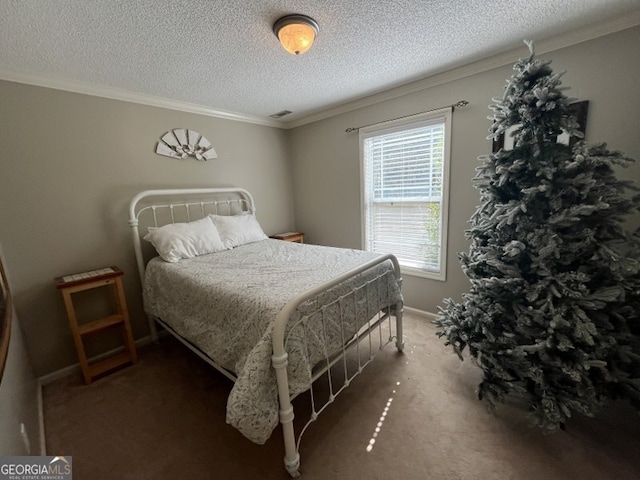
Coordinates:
366 292
155 218
314 412
326 352
381 342
399 334
341 301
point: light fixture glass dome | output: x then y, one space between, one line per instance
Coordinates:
296 33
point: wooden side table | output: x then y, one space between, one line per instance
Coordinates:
105 277
290 237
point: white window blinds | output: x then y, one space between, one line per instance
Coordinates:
405 169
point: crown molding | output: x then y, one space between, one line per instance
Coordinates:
132 97
542 46
506 58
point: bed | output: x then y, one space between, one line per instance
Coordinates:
273 316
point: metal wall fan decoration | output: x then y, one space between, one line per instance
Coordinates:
182 142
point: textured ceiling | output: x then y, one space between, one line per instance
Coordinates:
222 54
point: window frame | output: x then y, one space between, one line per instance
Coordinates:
407 123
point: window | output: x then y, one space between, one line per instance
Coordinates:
405 186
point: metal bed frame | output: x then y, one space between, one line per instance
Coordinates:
179 205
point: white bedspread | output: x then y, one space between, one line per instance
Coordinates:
226 303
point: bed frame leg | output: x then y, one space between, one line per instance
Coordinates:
153 329
291 455
293 466
399 333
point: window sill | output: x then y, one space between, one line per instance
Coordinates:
414 272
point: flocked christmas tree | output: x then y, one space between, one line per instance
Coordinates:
553 311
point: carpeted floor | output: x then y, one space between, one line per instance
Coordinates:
164 418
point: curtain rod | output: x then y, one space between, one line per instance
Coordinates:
460 104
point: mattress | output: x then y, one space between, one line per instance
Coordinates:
226 304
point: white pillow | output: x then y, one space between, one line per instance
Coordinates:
176 241
236 230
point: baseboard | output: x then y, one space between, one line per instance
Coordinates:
75 368
421 313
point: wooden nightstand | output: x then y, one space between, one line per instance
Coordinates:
111 277
290 237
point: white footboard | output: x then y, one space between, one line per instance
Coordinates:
282 333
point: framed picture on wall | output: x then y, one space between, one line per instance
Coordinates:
6 311
577 109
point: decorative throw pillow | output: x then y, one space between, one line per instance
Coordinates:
236 230
176 241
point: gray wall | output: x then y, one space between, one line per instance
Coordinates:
70 164
326 174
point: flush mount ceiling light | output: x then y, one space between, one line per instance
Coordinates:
296 32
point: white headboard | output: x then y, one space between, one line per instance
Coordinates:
154 208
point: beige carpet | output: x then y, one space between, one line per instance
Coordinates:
164 419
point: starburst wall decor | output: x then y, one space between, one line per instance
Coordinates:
182 142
